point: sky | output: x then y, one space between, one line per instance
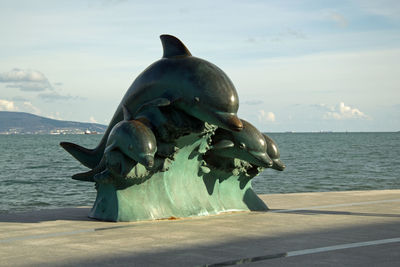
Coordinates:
296 65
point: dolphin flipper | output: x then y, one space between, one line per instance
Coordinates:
127 114
223 144
88 157
158 102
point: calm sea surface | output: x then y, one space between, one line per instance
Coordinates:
35 172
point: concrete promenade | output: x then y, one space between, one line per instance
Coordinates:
353 228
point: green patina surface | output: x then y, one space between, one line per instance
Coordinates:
181 191
175 146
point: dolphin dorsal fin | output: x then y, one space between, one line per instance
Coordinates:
173 47
127 115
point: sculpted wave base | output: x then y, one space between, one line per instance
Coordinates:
175 146
183 190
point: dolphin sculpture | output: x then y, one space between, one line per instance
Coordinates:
273 153
188 83
248 145
128 143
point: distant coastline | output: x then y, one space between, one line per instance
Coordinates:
26 123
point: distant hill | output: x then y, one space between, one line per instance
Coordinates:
25 123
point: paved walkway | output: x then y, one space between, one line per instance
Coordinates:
353 228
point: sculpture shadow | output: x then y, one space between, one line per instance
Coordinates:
262 250
211 181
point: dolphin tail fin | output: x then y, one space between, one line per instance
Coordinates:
84 176
89 175
88 157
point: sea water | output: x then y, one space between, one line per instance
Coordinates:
35 172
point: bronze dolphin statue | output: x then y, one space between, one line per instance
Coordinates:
190 84
248 145
129 142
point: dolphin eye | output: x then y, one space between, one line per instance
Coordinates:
197 99
242 145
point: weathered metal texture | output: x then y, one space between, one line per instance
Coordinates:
192 85
175 146
181 191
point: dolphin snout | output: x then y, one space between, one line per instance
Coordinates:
279 165
148 161
264 159
230 121
235 124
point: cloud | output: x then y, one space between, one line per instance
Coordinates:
54 96
6 105
30 86
298 34
18 75
26 106
34 81
265 116
25 80
30 108
92 119
339 19
281 36
323 107
343 112
19 99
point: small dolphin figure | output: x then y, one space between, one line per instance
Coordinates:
273 153
189 84
248 145
128 143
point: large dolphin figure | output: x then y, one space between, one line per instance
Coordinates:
248 145
190 84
